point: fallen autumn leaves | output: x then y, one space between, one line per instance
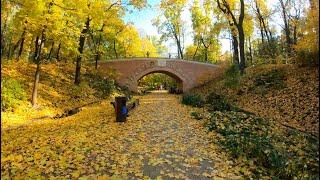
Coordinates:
159 140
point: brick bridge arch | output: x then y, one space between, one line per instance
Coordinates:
189 73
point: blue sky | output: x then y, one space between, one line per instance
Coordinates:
142 19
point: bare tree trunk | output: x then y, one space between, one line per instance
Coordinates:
58 52
261 31
295 39
242 53
194 54
266 30
21 48
241 38
80 49
15 48
3 42
180 53
286 27
9 50
206 47
49 56
35 84
97 57
36 49
37 74
115 49
235 50
250 50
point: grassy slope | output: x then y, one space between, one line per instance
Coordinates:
56 90
295 105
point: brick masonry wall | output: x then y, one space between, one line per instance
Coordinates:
190 73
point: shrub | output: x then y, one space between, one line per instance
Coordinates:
104 86
12 94
232 76
272 79
283 155
305 58
194 100
81 91
217 102
196 115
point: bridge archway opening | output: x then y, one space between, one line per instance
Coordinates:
160 80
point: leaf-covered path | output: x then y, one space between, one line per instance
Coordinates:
159 140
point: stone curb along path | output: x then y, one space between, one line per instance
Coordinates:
159 140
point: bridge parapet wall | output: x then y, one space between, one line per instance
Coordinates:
190 73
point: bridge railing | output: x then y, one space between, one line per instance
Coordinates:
164 55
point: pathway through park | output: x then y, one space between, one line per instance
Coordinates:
159 141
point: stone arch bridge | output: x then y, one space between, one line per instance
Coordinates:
189 73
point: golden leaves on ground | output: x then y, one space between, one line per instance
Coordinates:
296 104
158 141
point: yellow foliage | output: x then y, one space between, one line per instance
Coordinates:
91 145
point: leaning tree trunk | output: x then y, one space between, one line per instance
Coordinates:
51 49
195 53
80 49
21 44
180 49
206 47
261 31
180 53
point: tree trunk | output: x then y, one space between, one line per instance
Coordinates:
180 50
97 57
266 30
9 50
295 39
286 27
206 47
241 38
261 31
21 41
241 46
250 50
21 48
80 49
37 74
35 84
114 48
180 53
36 49
14 48
58 52
49 56
194 55
3 42
235 50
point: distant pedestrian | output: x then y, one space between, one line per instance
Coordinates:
147 53
169 55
